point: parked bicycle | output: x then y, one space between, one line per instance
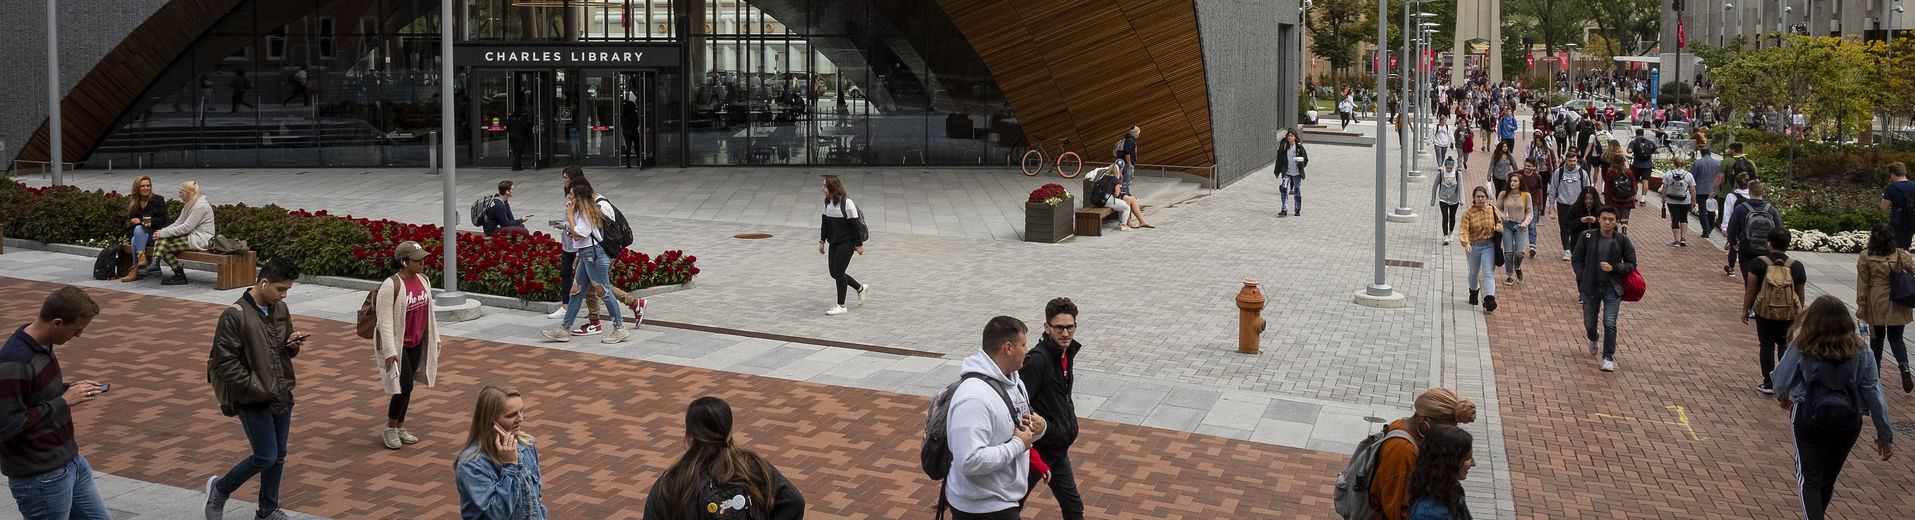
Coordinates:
1046 155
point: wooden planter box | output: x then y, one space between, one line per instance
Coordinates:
1046 223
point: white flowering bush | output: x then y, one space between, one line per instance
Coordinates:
1819 242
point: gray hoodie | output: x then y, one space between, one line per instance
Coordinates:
989 467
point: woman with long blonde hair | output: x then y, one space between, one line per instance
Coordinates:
498 470
192 232
1827 383
146 213
585 219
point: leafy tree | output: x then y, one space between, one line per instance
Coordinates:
1623 28
1552 23
1836 83
1336 27
1716 56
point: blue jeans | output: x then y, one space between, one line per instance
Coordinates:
266 432
1607 302
594 268
1290 187
140 236
1512 247
1482 266
1128 170
1534 217
60 494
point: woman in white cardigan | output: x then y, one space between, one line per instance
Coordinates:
406 347
191 232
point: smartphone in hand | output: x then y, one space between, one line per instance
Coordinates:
105 387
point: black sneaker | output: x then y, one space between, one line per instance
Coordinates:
1489 303
1519 275
176 279
1765 389
1284 213
1908 381
1472 297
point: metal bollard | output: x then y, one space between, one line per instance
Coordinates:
1249 317
432 153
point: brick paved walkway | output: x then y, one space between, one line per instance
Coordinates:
1679 430
607 426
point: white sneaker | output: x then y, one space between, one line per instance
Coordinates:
215 502
1608 366
638 312
618 335
391 438
406 436
862 289
836 310
558 334
556 314
1565 255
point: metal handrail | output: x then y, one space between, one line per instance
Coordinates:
45 166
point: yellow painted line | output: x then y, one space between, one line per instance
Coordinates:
1682 419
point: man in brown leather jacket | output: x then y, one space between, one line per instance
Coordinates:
251 369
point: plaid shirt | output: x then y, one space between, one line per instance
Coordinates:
36 426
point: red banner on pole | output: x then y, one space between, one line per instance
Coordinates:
1392 61
1681 39
1531 59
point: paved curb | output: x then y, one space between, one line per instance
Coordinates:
503 302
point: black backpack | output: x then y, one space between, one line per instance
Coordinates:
618 234
113 262
934 454
1623 184
1101 188
728 501
1642 149
1831 401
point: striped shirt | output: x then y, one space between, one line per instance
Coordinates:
36 426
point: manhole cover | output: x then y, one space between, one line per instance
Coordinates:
752 236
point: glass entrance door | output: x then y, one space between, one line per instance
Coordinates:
616 120
503 94
636 110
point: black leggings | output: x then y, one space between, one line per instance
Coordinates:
1819 454
1566 225
408 367
1893 334
840 258
1449 217
1773 337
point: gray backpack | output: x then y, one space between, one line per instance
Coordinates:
1352 496
1755 232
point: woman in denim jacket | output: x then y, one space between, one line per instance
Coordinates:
498 471
1826 353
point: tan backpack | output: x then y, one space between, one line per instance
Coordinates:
368 324
1776 298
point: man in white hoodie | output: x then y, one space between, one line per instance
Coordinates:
991 445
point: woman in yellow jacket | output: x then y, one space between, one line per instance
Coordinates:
1480 223
1885 319
406 346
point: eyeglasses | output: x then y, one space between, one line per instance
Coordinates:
1062 327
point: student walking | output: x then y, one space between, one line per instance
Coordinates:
717 476
585 217
1828 385
146 213
1886 319
841 230
1396 458
1480 223
1622 183
1515 207
1346 110
594 295
1502 163
1750 225
1436 484
498 471
1538 190
990 444
1678 196
1773 296
1899 200
1047 376
251 371
1731 201
406 345
1707 172
1565 185
1602 259
192 232
1443 138
38 452
1448 191
1293 159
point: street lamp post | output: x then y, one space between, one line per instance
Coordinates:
451 295
1378 293
54 153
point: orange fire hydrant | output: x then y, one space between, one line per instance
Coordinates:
1249 317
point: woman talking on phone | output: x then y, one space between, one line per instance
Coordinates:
406 344
498 471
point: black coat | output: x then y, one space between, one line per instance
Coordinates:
155 207
1049 387
1592 249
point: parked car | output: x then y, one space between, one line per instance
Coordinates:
1581 105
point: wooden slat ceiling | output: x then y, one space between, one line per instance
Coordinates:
1089 69
88 111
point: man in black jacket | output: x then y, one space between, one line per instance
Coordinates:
1047 379
1603 258
251 370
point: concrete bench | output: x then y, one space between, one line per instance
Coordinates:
238 270
1090 221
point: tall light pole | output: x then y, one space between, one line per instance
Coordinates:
1378 293
1404 122
449 148
54 153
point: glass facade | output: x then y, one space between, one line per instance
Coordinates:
349 83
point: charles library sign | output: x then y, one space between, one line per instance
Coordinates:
647 56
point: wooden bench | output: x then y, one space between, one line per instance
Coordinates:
234 270
1090 221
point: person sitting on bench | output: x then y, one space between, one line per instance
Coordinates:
191 233
146 213
1111 188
